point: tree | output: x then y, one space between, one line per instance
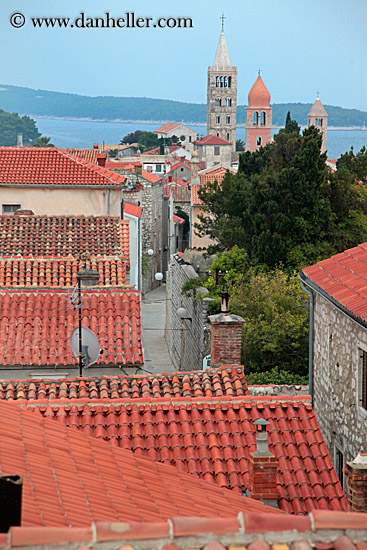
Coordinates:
240 145
43 141
355 164
12 124
291 125
133 137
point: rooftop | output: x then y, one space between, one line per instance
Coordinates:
52 166
211 140
343 278
167 127
259 95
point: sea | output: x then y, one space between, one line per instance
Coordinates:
80 133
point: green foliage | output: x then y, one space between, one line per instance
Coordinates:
113 153
145 264
43 141
276 376
291 125
12 124
355 164
42 102
192 284
240 145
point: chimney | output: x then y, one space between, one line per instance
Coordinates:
101 159
356 478
226 333
10 501
95 146
23 212
19 140
263 468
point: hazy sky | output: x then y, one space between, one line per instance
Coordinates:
301 46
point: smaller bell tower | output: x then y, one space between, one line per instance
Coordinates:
318 117
258 122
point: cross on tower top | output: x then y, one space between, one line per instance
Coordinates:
259 71
318 93
222 18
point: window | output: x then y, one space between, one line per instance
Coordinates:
339 463
228 102
217 82
189 139
182 138
225 82
228 120
258 141
10 208
217 119
363 379
158 168
229 81
221 81
263 118
256 118
218 102
227 136
216 151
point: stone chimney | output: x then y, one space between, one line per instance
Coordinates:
101 159
10 501
356 477
19 140
263 467
95 146
195 167
226 335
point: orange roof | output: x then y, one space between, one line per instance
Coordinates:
195 200
150 177
72 480
212 140
64 236
90 155
51 166
167 127
132 209
36 326
343 278
178 220
259 95
58 272
180 163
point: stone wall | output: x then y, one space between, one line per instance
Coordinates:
188 341
338 342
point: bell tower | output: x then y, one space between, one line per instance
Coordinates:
318 117
258 122
222 94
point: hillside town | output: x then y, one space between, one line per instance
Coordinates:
133 412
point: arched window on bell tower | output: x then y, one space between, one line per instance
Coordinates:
263 118
256 118
217 82
225 82
221 81
229 81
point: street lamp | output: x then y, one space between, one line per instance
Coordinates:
86 278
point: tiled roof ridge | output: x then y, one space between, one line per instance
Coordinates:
104 172
182 401
320 527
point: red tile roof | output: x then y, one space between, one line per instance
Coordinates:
58 272
152 178
167 127
343 277
213 437
63 236
51 166
132 209
195 200
72 480
210 383
212 140
36 326
90 155
178 164
322 530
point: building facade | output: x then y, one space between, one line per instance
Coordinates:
222 95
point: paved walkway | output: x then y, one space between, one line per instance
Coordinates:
153 310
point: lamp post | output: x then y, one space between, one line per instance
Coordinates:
87 278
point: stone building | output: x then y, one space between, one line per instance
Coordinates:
338 351
317 116
213 150
258 123
222 95
186 135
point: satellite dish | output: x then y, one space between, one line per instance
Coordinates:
90 346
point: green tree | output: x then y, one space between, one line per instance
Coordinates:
355 164
43 141
12 124
291 125
240 145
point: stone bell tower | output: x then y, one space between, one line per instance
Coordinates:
222 95
317 116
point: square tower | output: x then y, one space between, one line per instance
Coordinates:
222 95
258 121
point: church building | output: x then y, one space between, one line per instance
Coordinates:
317 116
222 95
258 123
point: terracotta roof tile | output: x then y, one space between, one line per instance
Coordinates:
51 166
70 479
213 437
63 236
343 277
90 155
195 200
212 140
36 326
167 127
58 272
178 220
211 383
132 209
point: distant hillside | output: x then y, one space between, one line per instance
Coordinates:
57 104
